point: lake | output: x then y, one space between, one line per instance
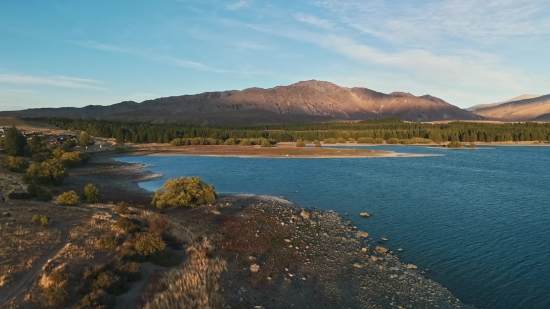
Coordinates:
478 220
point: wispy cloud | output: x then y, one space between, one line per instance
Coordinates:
239 5
56 81
314 21
149 55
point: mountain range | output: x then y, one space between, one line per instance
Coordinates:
523 108
307 101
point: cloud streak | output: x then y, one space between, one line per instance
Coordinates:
239 5
55 81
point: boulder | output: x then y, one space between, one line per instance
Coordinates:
304 214
412 266
400 250
362 234
381 249
364 214
254 268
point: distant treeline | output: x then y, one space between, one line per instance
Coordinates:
389 128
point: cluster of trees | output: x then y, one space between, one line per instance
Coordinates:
213 141
184 192
383 129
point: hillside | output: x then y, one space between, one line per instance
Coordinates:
518 98
535 109
308 101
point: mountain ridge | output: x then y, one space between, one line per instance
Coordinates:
534 109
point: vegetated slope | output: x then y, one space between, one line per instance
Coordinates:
535 109
518 98
307 101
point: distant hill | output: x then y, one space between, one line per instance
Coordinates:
518 98
534 109
307 101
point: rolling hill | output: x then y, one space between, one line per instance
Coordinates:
534 109
518 98
307 101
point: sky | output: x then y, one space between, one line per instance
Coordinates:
76 52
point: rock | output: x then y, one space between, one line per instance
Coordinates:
383 240
374 258
304 214
254 268
287 240
364 249
400 250
381 249
364 214
5 214
362 234
357 265
258 307
393 276
412 266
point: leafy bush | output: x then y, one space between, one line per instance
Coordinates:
317 143
159 224
109 282
378 140
165 258
127 225
45 221
183 191
351 140
329 141
73 158
392 141
245 142
36 218
130 270
50 172
121 209
97 299
108 241
300 143
69 198
455 145
148 243
340 140
365 140
265 143
15 164
91 193
41 193
55 296
230 141
42 156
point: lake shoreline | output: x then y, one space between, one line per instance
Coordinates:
119 181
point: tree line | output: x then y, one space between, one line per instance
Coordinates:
385 129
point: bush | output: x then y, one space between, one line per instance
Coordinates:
341 140
148 243
378 140
91 193
190 191
230 141
472 145
265 143
41 193
130 270
351 140
121 209
159 224
108 241
55 296
50 172
165 258
36 218
300 143
97 299
69 198
109 282
317 143
42 156
73 158
455 145
45 221
329 141
392 141
127 225
365 140
245 142
14 164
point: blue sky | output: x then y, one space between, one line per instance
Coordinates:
76 53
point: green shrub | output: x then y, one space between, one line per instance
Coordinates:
41 193
455 145
265 143
91 193
300 143
159 224
351 140
42 156
365 140
317 143
230 141
245 142
130 270
45 221
329 141
392 141
148 243
108 241
69 198
55 296
98 299
341 140
109 282
73 158
36 218
50 172
378 140
183 191
127 225
121 209
15 164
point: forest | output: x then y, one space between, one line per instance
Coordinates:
389 128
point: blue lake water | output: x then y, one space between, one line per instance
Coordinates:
479 220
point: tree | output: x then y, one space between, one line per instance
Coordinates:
265 143
69 198
84 139
50 172
317 143
300 143
14 164
183 191
91 193
14 142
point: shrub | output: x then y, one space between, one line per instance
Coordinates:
246 142
45 221
472 145
41 193
159 224
108 241
165 258
329 141
300 143
50 172
55 296
121 209
109 282
97 299
230 141
378 140
340 140
130 270
365 140
148 243
392 141
317 143
265 143
69 198
351 140
455 145
73 158
183 191
42 156
91 193
14 164
36 218
127 225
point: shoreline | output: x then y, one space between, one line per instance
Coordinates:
396 265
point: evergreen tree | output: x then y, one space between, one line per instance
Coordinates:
14 142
